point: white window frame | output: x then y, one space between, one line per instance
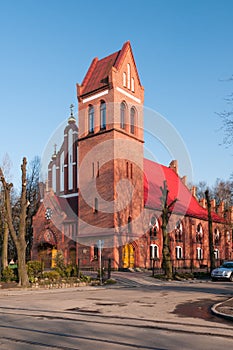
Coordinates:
124 79
154 251
179 252
199 253
216 254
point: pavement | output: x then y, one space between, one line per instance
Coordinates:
222 309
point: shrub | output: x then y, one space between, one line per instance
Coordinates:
52 275
34 269
8 274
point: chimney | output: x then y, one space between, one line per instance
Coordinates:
174 166
221 209
203 202
194 191
184 180
213 204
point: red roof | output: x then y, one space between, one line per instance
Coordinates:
99 70
97 74
154 176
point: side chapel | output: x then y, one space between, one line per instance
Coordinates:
102 189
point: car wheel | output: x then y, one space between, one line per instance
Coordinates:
231 278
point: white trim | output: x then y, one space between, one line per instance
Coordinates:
57 167
128 95
95 96
75 132
69 195
74 163
65 165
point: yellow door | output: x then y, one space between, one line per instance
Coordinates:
54 254
128 256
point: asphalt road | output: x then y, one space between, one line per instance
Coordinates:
137 313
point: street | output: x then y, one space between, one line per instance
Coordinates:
137 313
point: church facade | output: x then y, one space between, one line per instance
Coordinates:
102 192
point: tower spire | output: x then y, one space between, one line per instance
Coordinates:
71 117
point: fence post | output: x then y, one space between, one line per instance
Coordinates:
109 268
78 268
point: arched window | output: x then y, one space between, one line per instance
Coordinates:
128 76
199 233
199 253
154 252
91 118
179 252
178 231
124 79
129 224
216 236
102 115
132 120
123 108
154 227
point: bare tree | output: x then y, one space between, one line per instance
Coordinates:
18 236
166 212
227 119
6 166
33 198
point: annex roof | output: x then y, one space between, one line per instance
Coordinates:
154 176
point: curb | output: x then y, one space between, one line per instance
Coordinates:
221 314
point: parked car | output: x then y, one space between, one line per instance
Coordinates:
224 272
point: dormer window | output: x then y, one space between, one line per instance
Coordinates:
124 79
91 118
102 115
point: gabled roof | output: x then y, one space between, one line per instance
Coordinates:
99 70
154 176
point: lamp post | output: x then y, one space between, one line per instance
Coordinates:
100 246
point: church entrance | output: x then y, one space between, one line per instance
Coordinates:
128 256
46 254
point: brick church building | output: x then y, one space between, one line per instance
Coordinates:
101 188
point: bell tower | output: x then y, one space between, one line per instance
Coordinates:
110 149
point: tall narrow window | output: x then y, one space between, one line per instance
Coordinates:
123 115
132 85
154 252
128 76
62 172
127 169
131 170
129 224
70 159
132 120
91 118
54 178
179 252
102 115
96 205
199 253
124 79
93 169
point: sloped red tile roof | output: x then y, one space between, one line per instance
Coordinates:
97 75
98 72
154 176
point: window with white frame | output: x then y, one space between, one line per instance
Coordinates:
199 233
122 112
154 227
199 253
128 75
102 115
132 120
154 251
91 118
132 85
179 252
216 254
124 79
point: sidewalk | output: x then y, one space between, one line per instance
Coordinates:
224 309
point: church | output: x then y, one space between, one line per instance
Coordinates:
103 194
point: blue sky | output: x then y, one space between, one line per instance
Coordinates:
183 51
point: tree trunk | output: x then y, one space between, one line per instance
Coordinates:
5 246
210 232
19 237
166 264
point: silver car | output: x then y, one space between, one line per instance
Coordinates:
224 272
